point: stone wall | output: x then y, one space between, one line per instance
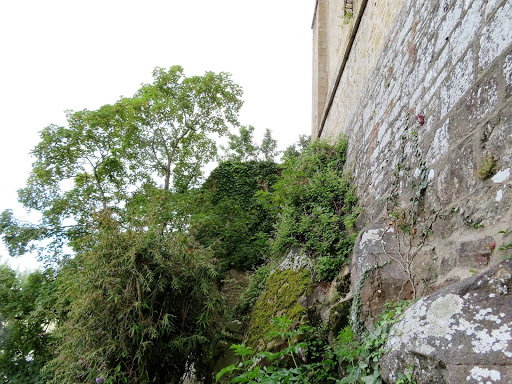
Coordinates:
333 54
424 98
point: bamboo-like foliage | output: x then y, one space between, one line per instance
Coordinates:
143 308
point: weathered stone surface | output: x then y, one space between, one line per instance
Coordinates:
283 289
330 302
379 269
449 62
423 96
295 260
476 252
459 334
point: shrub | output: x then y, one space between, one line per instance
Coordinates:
306 357
288 364
144 306
318 206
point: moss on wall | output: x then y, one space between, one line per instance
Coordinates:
280 298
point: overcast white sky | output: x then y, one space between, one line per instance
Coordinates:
57 55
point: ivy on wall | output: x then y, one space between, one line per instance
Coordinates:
232 220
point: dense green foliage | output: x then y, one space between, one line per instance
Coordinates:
140 245
301 358
115 187
317 206
305 356
25 346
143 307
359 354
19 236
232 220
257 282
124 156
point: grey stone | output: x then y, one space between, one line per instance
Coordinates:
295 260
234 326
451 63
375 276
474 253
459 334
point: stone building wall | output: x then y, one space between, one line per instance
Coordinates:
332 56
424 97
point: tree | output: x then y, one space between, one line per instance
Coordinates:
122 156
19 236
116 186
175 117
143 307
268 146
79 170
296 149
241 147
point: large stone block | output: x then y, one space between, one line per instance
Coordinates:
376 275
459 334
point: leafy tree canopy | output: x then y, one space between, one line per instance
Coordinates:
138 300
296 149
122 156
269 146
241 147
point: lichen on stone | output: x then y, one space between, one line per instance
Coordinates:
481 374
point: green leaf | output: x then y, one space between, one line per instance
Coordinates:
223 371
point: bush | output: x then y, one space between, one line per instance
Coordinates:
306 357
144 307
288 364
318 206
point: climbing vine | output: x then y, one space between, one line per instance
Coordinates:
409 225
355 310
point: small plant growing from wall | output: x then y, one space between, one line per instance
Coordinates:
348 11
507 246
487 167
